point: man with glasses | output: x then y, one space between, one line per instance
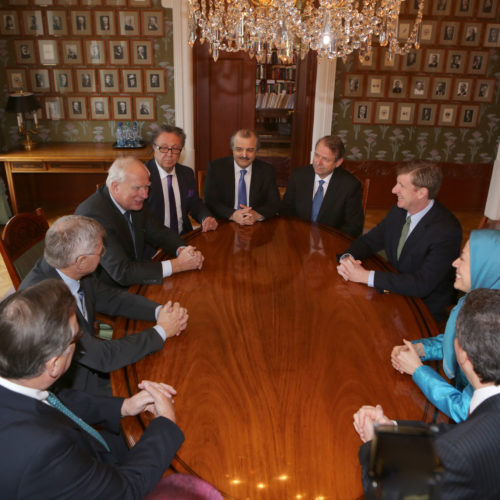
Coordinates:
73 249
173 195
240 187
49 449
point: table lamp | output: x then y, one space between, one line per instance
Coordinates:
20 103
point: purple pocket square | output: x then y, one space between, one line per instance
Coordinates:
190 193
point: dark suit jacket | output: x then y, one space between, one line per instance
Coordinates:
47 455
94 357
469 451
119 265
342 206
219 188
424 265
191 203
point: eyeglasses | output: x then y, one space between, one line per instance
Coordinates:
165 149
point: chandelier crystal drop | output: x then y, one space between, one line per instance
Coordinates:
332 28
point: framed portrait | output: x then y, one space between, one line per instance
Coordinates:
404 30
16 79
32 22
441 88
47 52
118 52
129 22
57 23
484 89
71 51
471 34
462 89
40 81
478 62
139 3
81 23
375 86
122 108
95 52
448 33
63 80
405 112
43 3
411 61
9 23
441 8
109 80
398 86
362 112
144 108
384 112
132 80
24 51
468 116
67 3
353 85
428 30
77 108
389 61
487 8
412 7
447 115
152 22
104 22
142 51
434 60
91 3
492 35
18 2
85 80
426 114
419 87
155 80
99 108
455 61
367 61
54 109
116 3
464 8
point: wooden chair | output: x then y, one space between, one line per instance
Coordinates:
487 223
366 189
22 243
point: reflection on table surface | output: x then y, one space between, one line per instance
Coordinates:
278 355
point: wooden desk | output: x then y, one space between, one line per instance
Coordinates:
91 159
278 355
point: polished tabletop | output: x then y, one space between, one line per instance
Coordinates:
278 355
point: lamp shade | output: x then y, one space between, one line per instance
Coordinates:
22 103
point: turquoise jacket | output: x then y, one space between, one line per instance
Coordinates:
454 401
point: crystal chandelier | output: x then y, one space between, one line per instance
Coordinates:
332 28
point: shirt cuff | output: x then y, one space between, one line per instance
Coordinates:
166 268
161 332
371 278
157 312
343 256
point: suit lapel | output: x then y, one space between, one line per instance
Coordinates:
254 183
330 195
229 175
417 232
183 190
156 189
308 192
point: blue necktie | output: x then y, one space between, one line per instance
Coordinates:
171 205
317 201
128 217
54 401
242 190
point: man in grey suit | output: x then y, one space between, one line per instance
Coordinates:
130 226
73 249
470 450
240 187
325 192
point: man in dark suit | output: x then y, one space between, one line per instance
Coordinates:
421 239
173 194
47 452
73 249
130 226
325 192
470 450
240 187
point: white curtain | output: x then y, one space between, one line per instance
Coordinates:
492 209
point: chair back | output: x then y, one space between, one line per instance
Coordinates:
22 243
366 189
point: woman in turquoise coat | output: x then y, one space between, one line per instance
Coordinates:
477 267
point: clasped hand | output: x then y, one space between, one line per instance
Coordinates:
366 417
173 318
406 358
352 270
188 258
245 216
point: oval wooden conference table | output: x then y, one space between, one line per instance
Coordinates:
278 354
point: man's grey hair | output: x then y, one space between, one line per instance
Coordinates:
118 169
69 237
